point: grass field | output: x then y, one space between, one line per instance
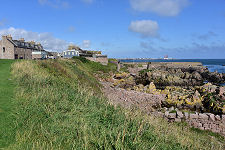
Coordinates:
59 106
7 129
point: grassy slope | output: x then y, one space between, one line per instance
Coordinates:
6 104
58 108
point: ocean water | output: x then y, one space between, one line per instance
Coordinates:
212 64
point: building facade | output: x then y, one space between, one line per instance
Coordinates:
70 53
19 49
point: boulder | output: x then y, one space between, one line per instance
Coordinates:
223 118
193 116
209 88
212 117
171 108
172 115
186 115
177 120
217 117
167 113
180 114
222 91
197 76
203 116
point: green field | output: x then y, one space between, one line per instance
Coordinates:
7 129
58 105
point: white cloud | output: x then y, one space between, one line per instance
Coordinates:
86 43
48 41
160 7
54 3
146 28
87 1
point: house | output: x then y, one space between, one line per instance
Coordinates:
19 49
54 55
88 54
39 55
70 53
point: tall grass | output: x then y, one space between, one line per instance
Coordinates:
58 108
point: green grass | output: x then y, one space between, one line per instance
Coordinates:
7 129
57 108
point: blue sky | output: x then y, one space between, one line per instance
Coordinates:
121 28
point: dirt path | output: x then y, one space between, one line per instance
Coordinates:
146 102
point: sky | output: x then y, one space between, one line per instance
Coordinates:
121 28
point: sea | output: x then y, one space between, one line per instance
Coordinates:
212 64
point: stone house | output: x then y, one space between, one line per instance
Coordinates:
88 54
19 49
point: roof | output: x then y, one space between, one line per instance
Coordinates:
27 45
12 42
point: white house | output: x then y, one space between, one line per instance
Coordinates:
70 53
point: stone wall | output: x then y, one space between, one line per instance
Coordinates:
23 53
102 60
203 121
8 47
36 56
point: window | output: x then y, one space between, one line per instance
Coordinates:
3 49
64 53
72 53
16 56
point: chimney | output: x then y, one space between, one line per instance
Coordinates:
9 37
4 37
21 40
32 42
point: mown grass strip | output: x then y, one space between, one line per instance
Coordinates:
7 127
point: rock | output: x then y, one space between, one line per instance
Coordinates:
197 99
177 120
193 116
212 117
209 88
223 118
203 116
217 117
121 75
180 114
201 128
186 115
172 115
171 108
167 113
206 126
197 76
164 109
199 125
222 92
187 75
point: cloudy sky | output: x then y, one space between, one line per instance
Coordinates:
121 28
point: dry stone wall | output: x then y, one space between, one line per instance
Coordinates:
102 60
203 121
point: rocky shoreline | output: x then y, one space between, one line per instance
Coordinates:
190 90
